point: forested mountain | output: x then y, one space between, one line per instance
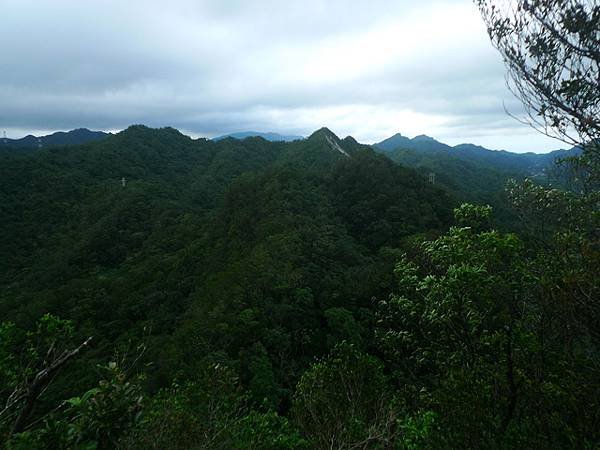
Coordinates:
473 173
426 148
236 249
78 212
276 295
58 139
273 137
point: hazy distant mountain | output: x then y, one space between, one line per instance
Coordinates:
59 139
411 151
471 172
421 142
273 137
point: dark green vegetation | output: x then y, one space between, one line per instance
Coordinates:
269 295
59 139
475 174
259 256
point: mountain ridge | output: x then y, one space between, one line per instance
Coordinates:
77 136
269 136
529 163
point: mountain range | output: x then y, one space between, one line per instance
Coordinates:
469 172
273 137
398 147
420 148
150 228
232 268
58 139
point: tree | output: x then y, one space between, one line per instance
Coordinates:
552 53
493 339
456 330
29 363
210 412
344 402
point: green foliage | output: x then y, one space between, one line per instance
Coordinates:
417 431
469 335
470 179
241 263
210 413
22 355
252 239
101 416
262 384
382 202
344 328
8 366
98 419
476 217
267 431
345 401
199 414
104 414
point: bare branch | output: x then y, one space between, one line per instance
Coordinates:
41 380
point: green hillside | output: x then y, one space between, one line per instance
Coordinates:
256 294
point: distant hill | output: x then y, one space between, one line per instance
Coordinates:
530 164
59 139
421 142
273 137
471 172
149 228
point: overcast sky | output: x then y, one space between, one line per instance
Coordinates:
368 69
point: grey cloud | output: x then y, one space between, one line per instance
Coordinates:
217 66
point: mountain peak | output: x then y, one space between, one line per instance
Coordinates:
131 129
424 137
269 136
324 133
393 142
324 137
57 139
139 128
421 142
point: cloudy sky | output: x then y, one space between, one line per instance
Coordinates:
368 69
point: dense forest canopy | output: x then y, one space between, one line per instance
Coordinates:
257 258
158 291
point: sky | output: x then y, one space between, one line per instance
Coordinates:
369 69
